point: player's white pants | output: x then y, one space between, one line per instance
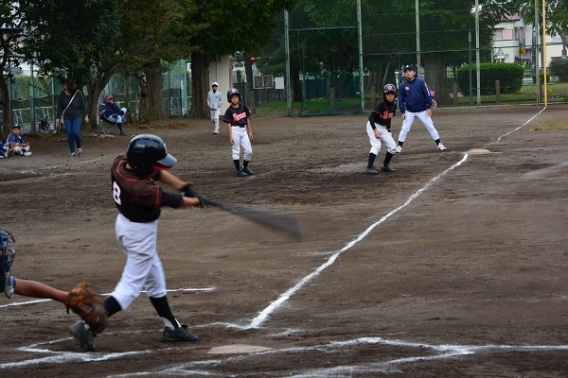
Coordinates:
385 137
215 118
241 138
143 267
20 150
426 121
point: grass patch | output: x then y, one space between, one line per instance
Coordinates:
551 125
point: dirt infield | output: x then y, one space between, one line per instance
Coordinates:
453 266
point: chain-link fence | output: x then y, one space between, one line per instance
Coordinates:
34 99
464 54
326 57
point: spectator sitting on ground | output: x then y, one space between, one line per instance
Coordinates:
3 151
111 113
15 143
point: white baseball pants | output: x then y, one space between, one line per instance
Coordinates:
385 137
241 138
215 118
143 267
426 121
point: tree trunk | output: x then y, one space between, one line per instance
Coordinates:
6 107
436 78
129 117
143 107
251 101
155 84
199 86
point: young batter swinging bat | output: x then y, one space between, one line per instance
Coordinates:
278 220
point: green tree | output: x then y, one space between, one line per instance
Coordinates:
63 38
152 33
11 31
233 25
389 36
556 17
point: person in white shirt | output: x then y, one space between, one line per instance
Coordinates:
214 102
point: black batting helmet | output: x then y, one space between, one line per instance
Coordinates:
389 88
147 153
232 92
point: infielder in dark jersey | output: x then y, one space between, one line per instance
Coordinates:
139 201
379 130
240 133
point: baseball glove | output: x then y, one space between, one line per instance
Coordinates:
86 302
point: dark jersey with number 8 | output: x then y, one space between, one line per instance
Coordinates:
137 198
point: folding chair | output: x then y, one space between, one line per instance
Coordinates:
105 124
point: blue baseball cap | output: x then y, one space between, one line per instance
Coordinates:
409 67
15 125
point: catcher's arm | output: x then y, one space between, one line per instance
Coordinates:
86 302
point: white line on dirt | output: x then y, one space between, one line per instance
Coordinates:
520 127
446 351
260 318
263 315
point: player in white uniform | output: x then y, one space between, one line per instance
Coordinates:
139 201
237 117
214 101
379 130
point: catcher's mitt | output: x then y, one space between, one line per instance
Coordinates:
86 302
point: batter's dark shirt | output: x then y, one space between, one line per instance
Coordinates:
382 114
138 198
237 116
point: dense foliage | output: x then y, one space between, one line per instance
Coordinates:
510 76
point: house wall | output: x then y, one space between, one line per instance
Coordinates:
222 72
512 34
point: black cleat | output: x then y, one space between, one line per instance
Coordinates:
248 171
180 334
387 168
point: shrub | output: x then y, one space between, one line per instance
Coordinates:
559 68
510 76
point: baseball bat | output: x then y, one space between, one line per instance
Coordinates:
277 220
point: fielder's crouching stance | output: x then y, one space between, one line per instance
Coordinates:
139 201
83 299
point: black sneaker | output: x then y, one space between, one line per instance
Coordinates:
241 173
387 168
248 171
84 335
180 334
371 171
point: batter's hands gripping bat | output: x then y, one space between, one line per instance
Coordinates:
278 220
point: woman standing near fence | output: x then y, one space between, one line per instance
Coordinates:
72 109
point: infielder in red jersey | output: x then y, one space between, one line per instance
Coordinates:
139 201
237 117
379 130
